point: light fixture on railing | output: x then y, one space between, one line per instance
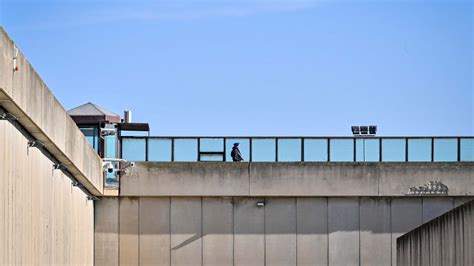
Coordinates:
364 131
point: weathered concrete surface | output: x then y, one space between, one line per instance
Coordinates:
343 229
375 231
106 232
312 231
44 220
293 179
186 231
25 95
434 207
307 179
186 179
395 178
154 226
406 214
235 231
6 66
249 232
446 240
217 231
280 231
128 227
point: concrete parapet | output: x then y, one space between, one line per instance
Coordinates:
26 96
292 179
186 179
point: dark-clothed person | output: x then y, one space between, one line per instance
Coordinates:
235 154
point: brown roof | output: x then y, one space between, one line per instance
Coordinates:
92 113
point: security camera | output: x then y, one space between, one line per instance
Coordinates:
109 167
107 132
117 165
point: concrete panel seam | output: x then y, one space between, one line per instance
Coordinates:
170 227
138 211
202 237
327 228
233 230
264 233
391 234
296 229
359 203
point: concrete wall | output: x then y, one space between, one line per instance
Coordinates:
446 240
24 94
44 220
234 231
293 179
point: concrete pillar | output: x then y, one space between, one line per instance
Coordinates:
343 221
218 228
154 223
128 224
249 232
186 241
407 213
106 231
375 235
280 231
312 231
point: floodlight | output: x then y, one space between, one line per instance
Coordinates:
372 130
355 130
364 130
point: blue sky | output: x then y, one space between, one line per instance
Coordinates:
262 67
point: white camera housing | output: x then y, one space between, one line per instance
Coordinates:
111 165
108 167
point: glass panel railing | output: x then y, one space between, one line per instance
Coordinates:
159 150
263 150
341 150
133 149
185 150
289 150
315 150
211 145
393 150
419 150
467 149
367 150
244 148
445 150
211 158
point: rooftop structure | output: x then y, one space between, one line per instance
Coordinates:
92 113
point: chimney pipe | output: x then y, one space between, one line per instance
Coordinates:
127 115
